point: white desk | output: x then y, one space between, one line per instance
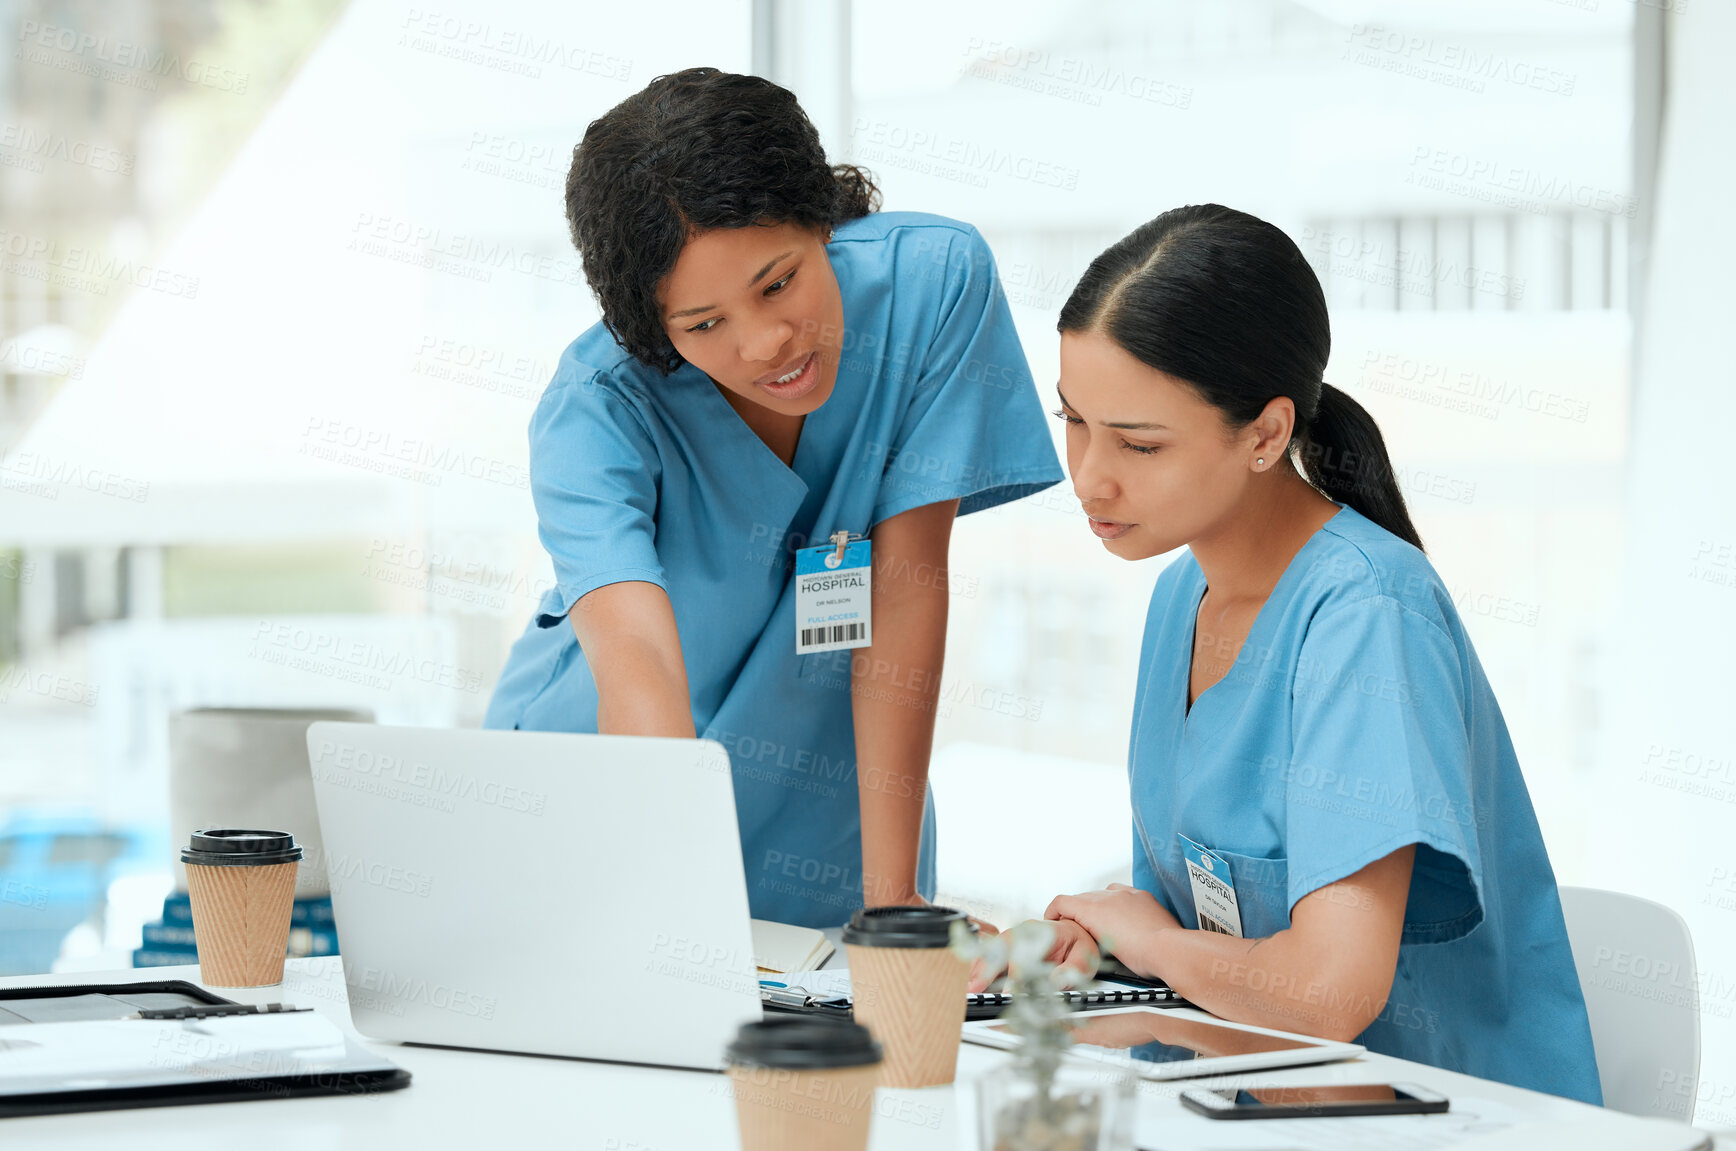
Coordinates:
466 1099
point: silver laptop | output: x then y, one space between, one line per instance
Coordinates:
576 895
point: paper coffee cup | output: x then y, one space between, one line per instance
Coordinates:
803 1084
242 887
908 988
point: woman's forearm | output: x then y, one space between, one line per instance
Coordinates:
1328 973
1281 981
895 685
643 695
894 689
628 634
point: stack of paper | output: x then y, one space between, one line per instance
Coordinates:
783 948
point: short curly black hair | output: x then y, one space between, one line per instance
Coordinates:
697 149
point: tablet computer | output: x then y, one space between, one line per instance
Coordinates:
1157 1044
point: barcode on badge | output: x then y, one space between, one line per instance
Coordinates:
837 633
1207 923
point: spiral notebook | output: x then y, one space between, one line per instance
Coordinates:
828 993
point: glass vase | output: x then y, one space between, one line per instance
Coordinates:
1083 1106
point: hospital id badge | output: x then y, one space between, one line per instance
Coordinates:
1214 889
833 595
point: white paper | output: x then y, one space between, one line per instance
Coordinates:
823 984
136 1052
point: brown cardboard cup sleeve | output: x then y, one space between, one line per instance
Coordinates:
803 1084
242 887
908 988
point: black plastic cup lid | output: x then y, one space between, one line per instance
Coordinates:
237 847
903 926
798 1043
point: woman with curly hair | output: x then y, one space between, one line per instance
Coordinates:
779 368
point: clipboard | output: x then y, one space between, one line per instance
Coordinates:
228 1055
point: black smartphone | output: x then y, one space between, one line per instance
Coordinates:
1307 1102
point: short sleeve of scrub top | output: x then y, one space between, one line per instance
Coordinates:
951 441
594 482
1379 724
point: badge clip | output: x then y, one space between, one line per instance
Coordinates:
842 539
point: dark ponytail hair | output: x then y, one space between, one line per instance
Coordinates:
1227 303
695 150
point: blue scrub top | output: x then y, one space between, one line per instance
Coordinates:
641 476
1356 720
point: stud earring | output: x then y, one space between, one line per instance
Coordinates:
1260 460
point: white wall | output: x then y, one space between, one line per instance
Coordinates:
1663 818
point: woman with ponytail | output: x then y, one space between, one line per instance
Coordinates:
1331 833
778 366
